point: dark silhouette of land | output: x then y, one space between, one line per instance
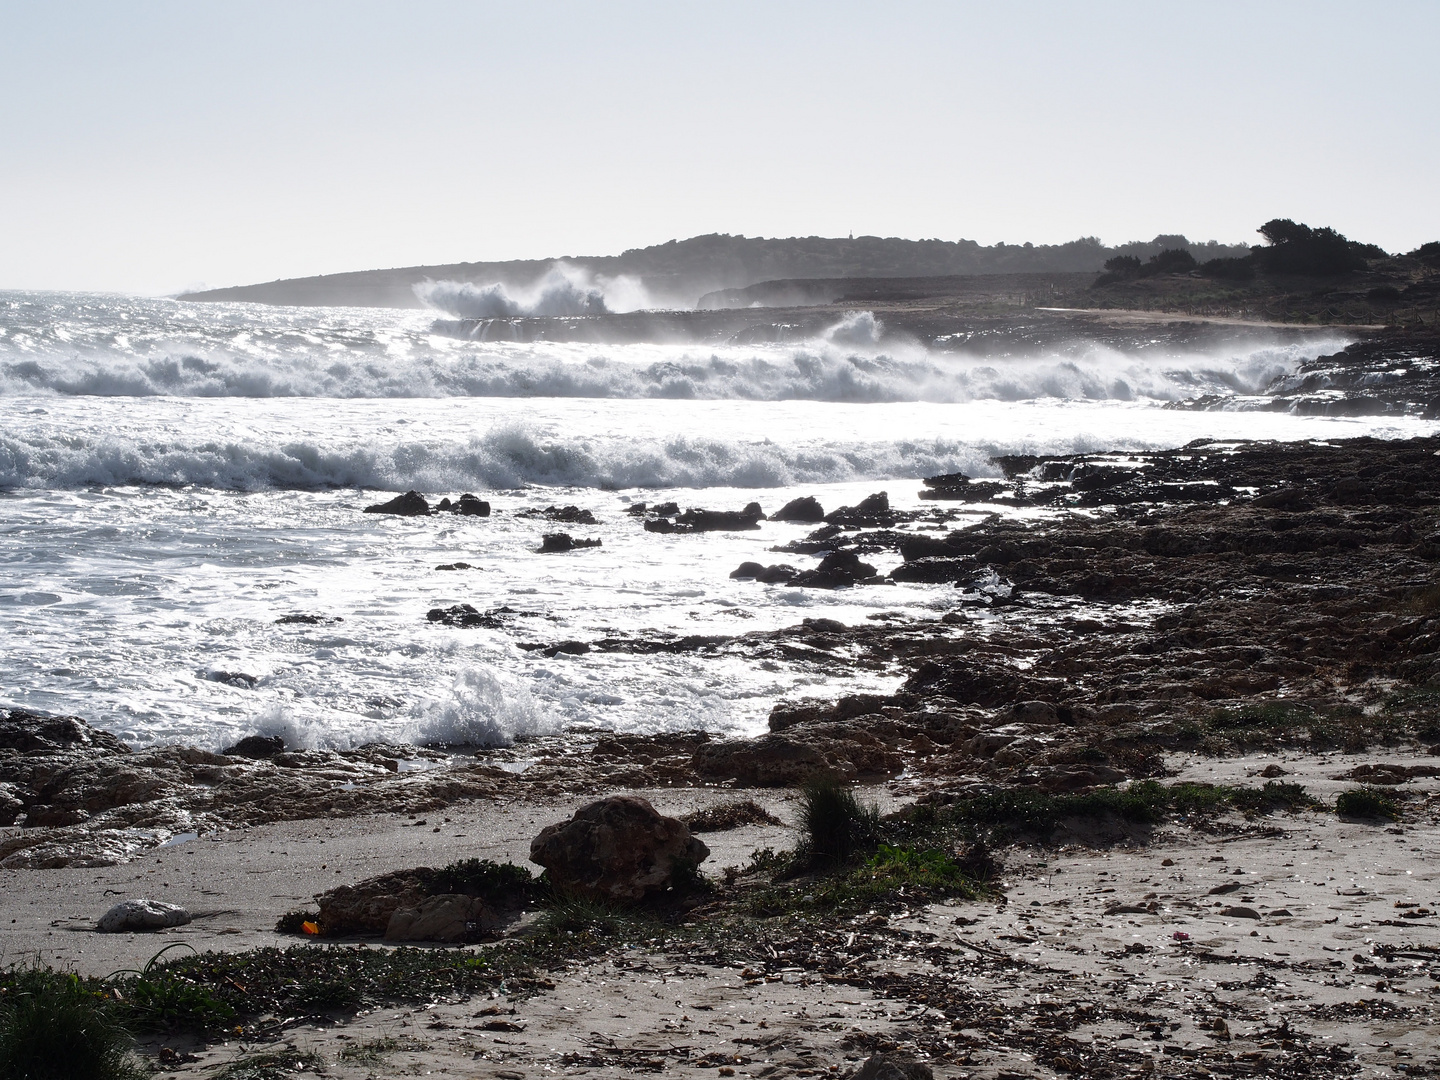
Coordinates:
677 273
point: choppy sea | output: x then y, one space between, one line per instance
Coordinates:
175 478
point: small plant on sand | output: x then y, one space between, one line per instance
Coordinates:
834 826
1367 803
273 1065
56 1026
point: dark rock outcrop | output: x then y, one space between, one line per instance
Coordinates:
569 515
559 543
870 512
464 615
778 574
411 504
470 506
789 757
836 571
619 848
257 747
805 508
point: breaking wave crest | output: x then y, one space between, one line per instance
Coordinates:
506 457
126 347
557 293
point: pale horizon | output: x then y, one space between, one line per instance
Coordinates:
157 149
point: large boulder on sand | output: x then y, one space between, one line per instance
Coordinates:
618 848
447 917
141 915
367 907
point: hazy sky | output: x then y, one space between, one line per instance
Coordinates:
150 146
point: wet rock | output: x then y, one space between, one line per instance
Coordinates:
411 504
448 917
837 570
470 506
637 509
805 508
464 615
777 574
873 510
570 515
559 543
301 618
258 747
719 520
893 1067
130 916
37 733
238 679
960 488
618 848
455 566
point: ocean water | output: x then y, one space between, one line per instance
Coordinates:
175 478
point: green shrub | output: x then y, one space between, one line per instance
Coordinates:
834 825
55 1026
501 884
1367 803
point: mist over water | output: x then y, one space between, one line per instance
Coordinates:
176 477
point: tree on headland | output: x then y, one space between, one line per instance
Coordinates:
1298 249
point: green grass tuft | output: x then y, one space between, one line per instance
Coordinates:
1367 803
834 826
57 1026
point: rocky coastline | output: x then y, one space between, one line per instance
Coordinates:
1162 776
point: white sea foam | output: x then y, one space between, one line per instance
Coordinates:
562 291
121 347
478 709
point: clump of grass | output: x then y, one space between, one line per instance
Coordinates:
1275 795
57 1026
834 826
890 876
501 884
583 919
1367 803
1004 814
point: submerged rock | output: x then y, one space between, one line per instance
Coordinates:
569 515
470 506
836 571
778 574
559 543
464 615
619 848
411 504
129 916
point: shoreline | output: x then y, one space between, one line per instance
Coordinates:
1221 614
